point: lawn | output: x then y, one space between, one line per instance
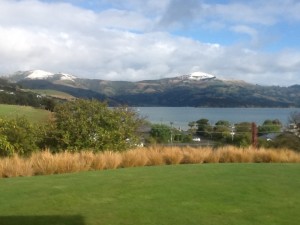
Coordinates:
167 195
32 114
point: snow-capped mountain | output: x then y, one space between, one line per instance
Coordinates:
65 76
43 75
38 74
197 76
197 89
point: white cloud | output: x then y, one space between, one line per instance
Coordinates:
121 42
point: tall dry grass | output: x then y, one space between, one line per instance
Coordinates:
45 163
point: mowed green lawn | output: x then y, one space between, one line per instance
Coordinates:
32 114
167 195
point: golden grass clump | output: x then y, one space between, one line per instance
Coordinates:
112 159
45 163
133 158
195 155
172 155
275 156
155 158
234 155
98 162
15 166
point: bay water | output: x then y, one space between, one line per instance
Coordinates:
179 117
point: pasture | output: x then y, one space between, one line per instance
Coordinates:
32 114
54 93
213 194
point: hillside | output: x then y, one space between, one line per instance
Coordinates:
32 114
196 90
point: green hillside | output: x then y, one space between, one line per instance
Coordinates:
55 94
213 194
33 114
177 92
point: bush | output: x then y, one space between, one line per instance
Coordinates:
286 140
6 149
18 136
90 124
161 133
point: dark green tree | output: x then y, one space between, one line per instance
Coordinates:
270 126
204 128
242 136
222 130
161 133
192 127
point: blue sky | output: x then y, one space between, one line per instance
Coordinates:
256 41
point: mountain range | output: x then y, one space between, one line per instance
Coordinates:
195 90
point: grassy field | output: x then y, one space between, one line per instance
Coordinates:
169 195
55 94
34 115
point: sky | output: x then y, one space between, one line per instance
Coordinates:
132 40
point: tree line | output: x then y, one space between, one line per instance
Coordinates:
270 133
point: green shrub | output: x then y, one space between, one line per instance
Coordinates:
90 124
18 136
6 149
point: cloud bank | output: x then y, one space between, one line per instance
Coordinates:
151 39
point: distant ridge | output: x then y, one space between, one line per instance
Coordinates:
197 89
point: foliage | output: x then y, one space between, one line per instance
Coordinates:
285 140
192 127
161 133
48 103
18 136
242 137
224 133
222 130
84 124
6 149
270 126
204 128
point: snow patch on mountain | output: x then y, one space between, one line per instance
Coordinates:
65 76
198 76
39 74
43 75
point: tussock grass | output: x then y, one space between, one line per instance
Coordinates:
45 163
15 166
133 158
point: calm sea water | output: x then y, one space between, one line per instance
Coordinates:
181 116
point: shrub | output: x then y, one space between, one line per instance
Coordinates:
83 124
18 136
